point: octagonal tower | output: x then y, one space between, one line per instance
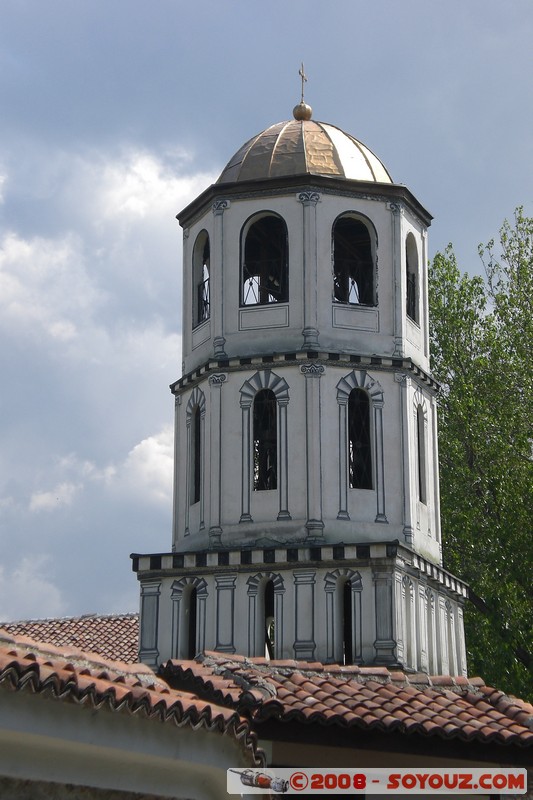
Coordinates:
306 510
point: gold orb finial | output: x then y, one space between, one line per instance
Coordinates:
302 111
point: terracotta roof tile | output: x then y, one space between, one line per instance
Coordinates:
113 636
365 697
71 674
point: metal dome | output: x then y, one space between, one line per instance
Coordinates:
304 147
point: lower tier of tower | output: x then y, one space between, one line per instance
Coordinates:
374 603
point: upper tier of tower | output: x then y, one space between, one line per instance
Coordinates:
304 244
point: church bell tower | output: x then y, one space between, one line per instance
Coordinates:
306 498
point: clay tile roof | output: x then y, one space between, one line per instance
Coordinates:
113 636
70 674
364 698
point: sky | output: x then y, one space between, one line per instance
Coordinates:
113 116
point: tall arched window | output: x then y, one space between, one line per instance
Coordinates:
353 263
265 268
268 622
191 613
265 441
421 454
411 266
347 623
196 456
359 440
201 278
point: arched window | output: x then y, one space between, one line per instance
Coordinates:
347 623
421 453
359 441
268 623
191 613
412 291
353 263
201 269
196 456
265 269
265 440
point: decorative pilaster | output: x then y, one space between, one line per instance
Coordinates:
309 200
380 466
225 622
149 618
218 301
384 644
342 400
304 609
175 490
408 528
313 373
215 465
246 475
283 482
397 279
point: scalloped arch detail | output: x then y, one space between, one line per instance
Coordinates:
359 379
178 587
197 399
331 579
266 379
254 581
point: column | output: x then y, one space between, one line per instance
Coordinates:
177 462
408 528
313 373
380 466
342 400
398 294
246 475
384 644
148 635
217 280
225 587
283 477
215 462
304 609
310 332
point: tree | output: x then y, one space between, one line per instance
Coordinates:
482 346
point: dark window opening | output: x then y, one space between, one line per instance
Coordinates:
191 626
411 294
421 448
269 619
265 265
347 624
411 261
265 444
201 279
196 456
353 265
359 442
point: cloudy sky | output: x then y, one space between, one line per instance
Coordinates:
113 116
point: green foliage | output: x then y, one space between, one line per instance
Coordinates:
482 345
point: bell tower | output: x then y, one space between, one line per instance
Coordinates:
306 508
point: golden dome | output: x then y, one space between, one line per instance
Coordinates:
304 147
